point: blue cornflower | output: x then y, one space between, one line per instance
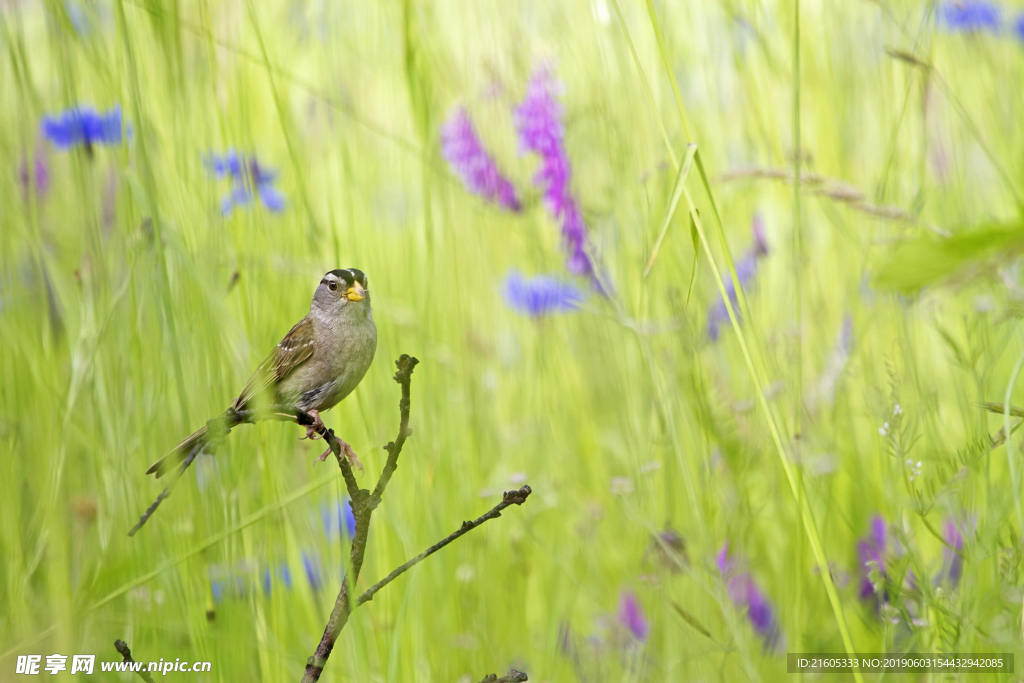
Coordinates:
282 571
314 570
78 17
970 15
540 295
246 175
1018 27
84 126
338 520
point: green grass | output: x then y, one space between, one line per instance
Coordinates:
121 334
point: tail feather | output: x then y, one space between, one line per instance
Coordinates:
178 455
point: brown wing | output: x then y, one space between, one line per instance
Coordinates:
294 350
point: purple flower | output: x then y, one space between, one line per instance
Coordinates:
462 149
539 122
84 126
725 563
631 616
871 548
745 594
246 175
846 337
39 178
970 15
746 269
953 562
540 295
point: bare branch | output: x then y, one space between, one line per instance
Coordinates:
512 676
510 498
126 654
363 504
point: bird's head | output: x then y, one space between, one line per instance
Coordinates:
342 290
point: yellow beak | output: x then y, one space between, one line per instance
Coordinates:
355 292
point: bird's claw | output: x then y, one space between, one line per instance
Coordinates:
346 450
312 431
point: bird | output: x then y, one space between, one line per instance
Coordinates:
318 363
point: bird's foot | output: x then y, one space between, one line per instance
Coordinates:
347 450
313 429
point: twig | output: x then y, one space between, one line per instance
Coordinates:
122 649
363 504
512 676
509 498
834 189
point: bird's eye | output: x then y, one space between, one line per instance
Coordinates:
332 285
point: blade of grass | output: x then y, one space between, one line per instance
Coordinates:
670 211
698 159
796 486
797 297
1010 460
314 230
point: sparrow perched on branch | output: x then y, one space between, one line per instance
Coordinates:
317 364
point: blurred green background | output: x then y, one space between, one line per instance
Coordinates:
132 310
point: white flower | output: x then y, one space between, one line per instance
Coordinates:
896 410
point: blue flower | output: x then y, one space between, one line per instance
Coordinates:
84 126
338 520
78 17
970 15
1018 27
540 295
281 571
314 570
246 175
217 588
